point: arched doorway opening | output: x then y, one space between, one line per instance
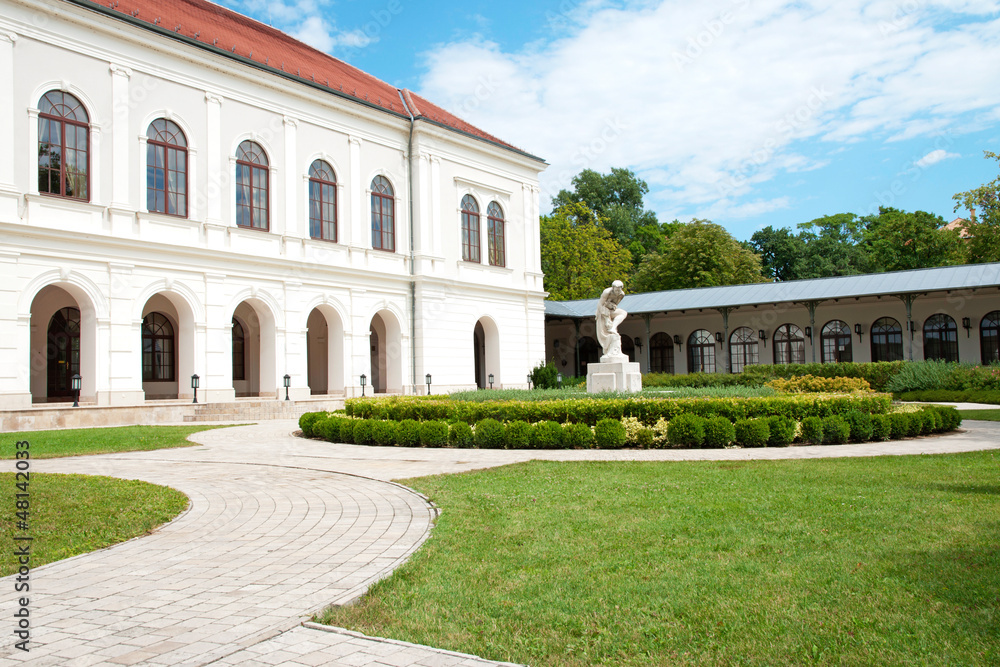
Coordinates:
325 351
589 352
253 349
167 339
386 350
63 353
486 352
63 342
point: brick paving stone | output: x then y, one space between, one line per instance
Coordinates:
277 528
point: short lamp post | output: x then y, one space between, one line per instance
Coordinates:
858 329
967 325
76 384
288 383
491 380
763 337
364 381
427 378
559 379
195 383
529 381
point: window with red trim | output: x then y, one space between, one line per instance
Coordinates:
470 229
495 228
166 169
383 215
322 201
63 146
252 176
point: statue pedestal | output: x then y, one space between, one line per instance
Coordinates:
614 373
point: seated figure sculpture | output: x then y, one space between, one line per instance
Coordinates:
609 316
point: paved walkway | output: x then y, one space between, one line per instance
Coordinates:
278 528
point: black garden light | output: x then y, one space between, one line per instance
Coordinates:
195 383
559 379
427 378
529 381
491 380
77 384
364 381
288 383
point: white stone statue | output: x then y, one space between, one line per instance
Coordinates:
609 316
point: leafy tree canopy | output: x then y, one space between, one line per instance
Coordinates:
698 254
579 256
897 240
983 228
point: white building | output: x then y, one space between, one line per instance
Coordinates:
186 191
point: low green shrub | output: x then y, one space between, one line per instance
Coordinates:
860 424
804 384
686 430
719 432
543 376
644 438
408 433
881 428
782 431
752 432
347 430
609 434
434 433
518 435
460 435
489 434
384 433
364 431
578 436
836 430
547 435
328 428
987 396
812 430
307 420
920 375
914 424
951 419
899 425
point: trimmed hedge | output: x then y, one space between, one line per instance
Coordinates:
810 384
877 374
988 396
719 432
686 430
782 431
752 432
591 410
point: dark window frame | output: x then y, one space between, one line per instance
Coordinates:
64 121
744 349
990 350
163 142
252 162
886 340
661 353
159 357
940 338
322 198
496 235
239 357
383 215
837 345
789 345
700 342
471 246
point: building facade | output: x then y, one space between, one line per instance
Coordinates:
184 191
949 313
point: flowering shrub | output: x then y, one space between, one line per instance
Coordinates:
812 384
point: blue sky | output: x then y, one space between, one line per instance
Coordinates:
747 112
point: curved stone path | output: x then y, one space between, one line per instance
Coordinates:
278 528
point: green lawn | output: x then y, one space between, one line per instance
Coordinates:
74 514
879 561
77 442
981 415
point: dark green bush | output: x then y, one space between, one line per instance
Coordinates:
518 435
860 424
645 438
949 417
307 420
328 428
408 433
752 432
544 376
489 434
881 428
987 396
812 430
719 432
925 422
384 432
578 436
899 425
347 430
547 435
937 420
914 424
364 431
610 434
836 430
686 430
460 435
782 431
434 433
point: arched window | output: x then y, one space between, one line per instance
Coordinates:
589 353
166 168
989 337
239 351
789 345
887 340
743 349
470 229
496 231
383 217
661 353
701 352
157 349
836 341
252 176
628 348
940 338
63 356
322 201
63 146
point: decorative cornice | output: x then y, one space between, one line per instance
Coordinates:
120 70
213 98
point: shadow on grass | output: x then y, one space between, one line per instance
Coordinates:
985 489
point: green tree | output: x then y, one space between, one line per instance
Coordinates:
698 254
579 256
897 240
982 232
781 252
616 198
833 247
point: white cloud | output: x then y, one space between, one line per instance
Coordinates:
934 157
707 100
307 20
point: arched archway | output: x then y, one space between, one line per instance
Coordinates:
386 349
254 320
486 352
168 348
589 352
63 342
325 351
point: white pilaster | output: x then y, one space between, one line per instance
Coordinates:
216 180
7 168
121 171
356 199
292 225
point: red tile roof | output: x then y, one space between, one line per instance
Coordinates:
211 26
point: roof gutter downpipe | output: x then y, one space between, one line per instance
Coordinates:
413 282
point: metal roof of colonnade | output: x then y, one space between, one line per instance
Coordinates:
901 283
